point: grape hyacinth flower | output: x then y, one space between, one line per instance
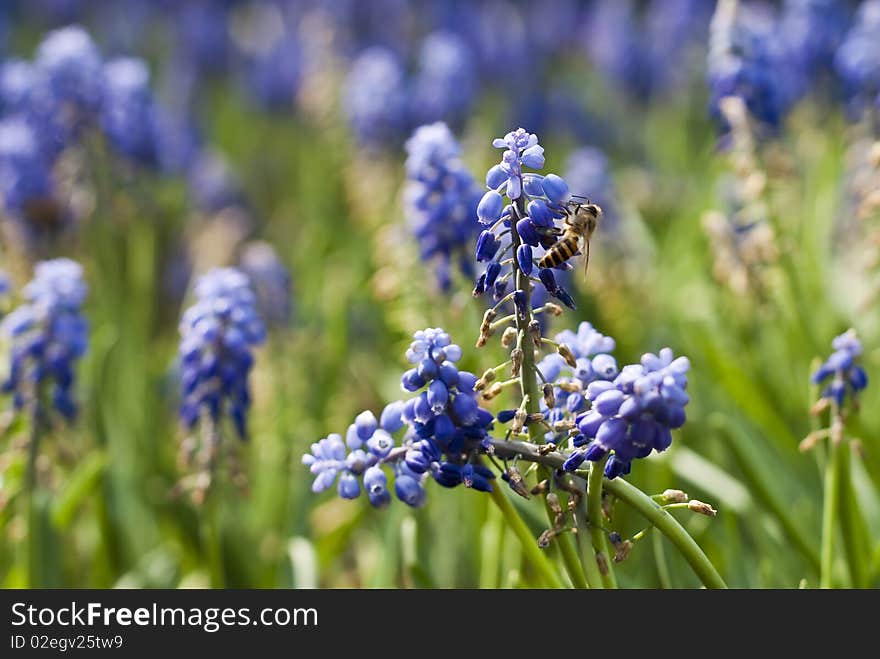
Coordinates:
633 414
47 334
25 175
589 350
441 200
857 61
270 281
375 98
445 84
127 115
744 60
840 375
218 335
70 73
523 227
441 431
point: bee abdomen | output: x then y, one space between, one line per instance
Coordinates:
559 253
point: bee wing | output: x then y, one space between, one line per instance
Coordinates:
586 256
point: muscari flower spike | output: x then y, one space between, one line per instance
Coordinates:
744 60
128 115
442 430
48 334
544 197
218 335
591 351
841 375
633 414
270 281
441 200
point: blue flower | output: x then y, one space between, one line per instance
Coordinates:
25 175
858 59
273 75
441 200
445 84
270 281
127 115
218 334
443 432
537 202
745 60
16 86
840 374
375 99
634 414
212 184
70 71
48 334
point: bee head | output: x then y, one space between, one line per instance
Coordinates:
584 216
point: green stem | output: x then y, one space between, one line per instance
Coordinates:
660 560
31 501
529 390
668 526
588 554
526 539
635 498
597 535
829 513
850 522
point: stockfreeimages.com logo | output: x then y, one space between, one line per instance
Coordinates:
210 619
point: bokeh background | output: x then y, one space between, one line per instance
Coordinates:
741 232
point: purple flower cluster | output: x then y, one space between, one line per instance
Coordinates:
49 104
746 60
441 200
632 414
384 102
442 431
535 204
218 335
591 351
48 334
270 281
840 375
858 59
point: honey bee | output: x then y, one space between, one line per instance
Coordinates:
581 220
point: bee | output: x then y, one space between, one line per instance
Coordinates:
581 220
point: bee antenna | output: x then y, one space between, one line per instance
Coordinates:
580 196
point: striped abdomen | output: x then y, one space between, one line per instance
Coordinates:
562 250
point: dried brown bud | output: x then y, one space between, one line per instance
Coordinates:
493 391
674 496
571 386
516 359
509 337
545 538
519 420
533 418
567 355
487 377
534 330
621 550
544 449
515 480
549 396
540 488
701 508
563 426
553 309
